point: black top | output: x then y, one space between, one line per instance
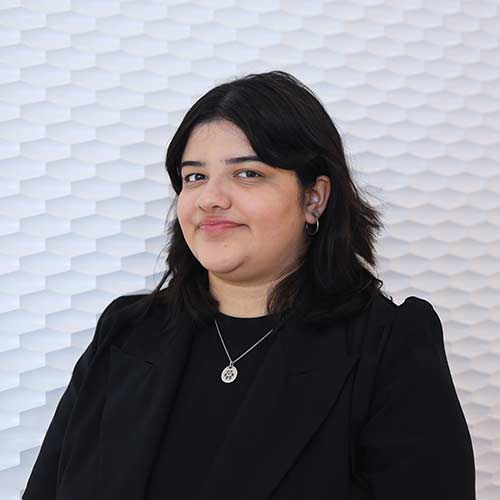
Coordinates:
385 415
205 406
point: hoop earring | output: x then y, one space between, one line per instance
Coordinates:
316 230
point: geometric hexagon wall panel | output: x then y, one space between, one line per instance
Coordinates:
90 95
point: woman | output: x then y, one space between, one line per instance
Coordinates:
271 366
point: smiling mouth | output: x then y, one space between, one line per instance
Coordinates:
216 228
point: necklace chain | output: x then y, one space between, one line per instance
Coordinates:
230 372
248 350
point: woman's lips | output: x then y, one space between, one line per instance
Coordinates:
219 227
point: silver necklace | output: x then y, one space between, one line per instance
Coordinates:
229 373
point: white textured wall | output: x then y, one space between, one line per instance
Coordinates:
90 93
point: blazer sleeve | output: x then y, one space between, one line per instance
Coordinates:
42 481
415 443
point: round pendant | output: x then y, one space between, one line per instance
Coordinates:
229 374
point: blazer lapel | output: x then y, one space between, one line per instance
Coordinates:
143 376
296 385
298 382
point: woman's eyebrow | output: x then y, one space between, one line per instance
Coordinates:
229 161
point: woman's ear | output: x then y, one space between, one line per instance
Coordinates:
317 199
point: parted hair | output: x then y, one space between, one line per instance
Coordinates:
288 127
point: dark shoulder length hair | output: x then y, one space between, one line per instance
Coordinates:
287 127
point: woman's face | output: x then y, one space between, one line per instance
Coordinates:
263 200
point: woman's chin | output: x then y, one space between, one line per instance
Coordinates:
218 265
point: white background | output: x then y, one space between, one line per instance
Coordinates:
90 94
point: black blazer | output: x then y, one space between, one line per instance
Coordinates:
362 409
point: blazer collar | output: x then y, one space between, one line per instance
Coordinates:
298 382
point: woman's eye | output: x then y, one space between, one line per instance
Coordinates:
186 178
253 171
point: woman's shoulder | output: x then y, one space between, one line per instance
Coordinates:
123 305
383 308
123 301
412 320
122 310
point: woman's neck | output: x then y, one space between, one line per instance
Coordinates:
240 301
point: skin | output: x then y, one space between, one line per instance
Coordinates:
244 262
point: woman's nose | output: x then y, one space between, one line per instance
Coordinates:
213 193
